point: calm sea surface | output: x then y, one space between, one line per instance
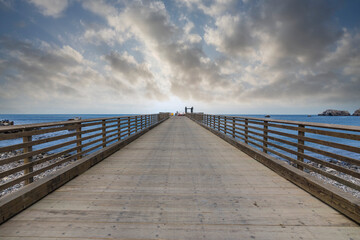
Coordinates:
20 119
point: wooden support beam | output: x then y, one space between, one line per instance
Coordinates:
265 145
27 139
301 133
344 202
246 130
103 126
79 142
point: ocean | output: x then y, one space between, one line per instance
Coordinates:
20 119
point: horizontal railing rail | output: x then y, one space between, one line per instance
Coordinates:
328 151
30 152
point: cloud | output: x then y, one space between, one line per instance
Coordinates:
233 35
213 51
297 29
42 72
185 68
213 7
128 67
288 50
272 50
53 8
104 35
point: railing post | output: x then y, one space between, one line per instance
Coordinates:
128 126
214 121
141 122
246 130
104 133
27 139
78 143
119 128
136 124
218 123
265 136
233 128
225 125
301 133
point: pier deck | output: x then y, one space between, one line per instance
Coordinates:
179 181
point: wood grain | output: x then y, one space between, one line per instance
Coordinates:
179 181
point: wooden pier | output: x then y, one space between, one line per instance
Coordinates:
179 181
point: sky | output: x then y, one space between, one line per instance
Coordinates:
219 56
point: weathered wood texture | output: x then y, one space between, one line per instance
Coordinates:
78 139
342 201
14 203
179 181
301 144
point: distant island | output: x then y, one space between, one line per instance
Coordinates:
332 112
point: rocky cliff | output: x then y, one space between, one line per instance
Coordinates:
357 112
332 112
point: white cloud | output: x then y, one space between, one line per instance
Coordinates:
212 8
45 71
105 35
53 8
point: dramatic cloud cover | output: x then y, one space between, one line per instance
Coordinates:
220 56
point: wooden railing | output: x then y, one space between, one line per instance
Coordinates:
36 149
332 151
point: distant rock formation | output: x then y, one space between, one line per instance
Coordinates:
6 122
357 112
332 112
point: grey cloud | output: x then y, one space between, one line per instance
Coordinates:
133 72
34 71
280 50
152 21
128 67
301 27
324 87
32 58
52 76
191 77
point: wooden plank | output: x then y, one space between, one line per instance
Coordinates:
312 124
313 159
179 181
314 140
16 202
343 202
312 130
28 160
52 124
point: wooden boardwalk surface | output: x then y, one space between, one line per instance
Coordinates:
179 181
